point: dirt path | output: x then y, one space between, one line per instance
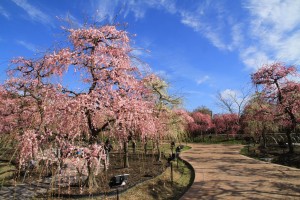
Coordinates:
222 173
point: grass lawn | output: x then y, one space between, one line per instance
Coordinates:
274 154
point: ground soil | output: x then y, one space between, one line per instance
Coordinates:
141 168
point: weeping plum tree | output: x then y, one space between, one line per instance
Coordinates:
276 88
45 113
257 119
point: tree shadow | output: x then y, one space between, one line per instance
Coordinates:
222 173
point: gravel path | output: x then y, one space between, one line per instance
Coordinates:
222 173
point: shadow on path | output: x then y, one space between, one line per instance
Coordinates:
222 173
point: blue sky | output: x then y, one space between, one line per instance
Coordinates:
201 47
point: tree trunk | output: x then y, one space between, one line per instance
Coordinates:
290 142
153 147
264 138
158 151
145 148
126 162
133 146
91 179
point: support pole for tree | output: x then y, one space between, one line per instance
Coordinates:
145 148
158 151
117 193
171 164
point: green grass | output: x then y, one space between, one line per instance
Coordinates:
216 140
6 173
186 148
274 154
161 187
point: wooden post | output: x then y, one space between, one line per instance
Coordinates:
171 173
117 193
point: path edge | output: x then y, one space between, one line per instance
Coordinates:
192 179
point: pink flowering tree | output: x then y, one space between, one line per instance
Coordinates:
47 113
226 124
275 86
183 121
201 123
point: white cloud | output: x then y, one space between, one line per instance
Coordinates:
228 93
254 58
27 45
195 20
4 13
202 79
190 20
163 74
274 26
137 52
271 31
70 20
237 36
289 49
107 9
213 28
280 16
34 13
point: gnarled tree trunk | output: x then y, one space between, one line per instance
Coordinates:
91 179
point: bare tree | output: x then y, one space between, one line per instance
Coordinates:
233 101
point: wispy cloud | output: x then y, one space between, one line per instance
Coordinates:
269 30
34 13
70 19
214 28
202 79
254 58
163 74
274 25
107 9
4 13
229 93
27 45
